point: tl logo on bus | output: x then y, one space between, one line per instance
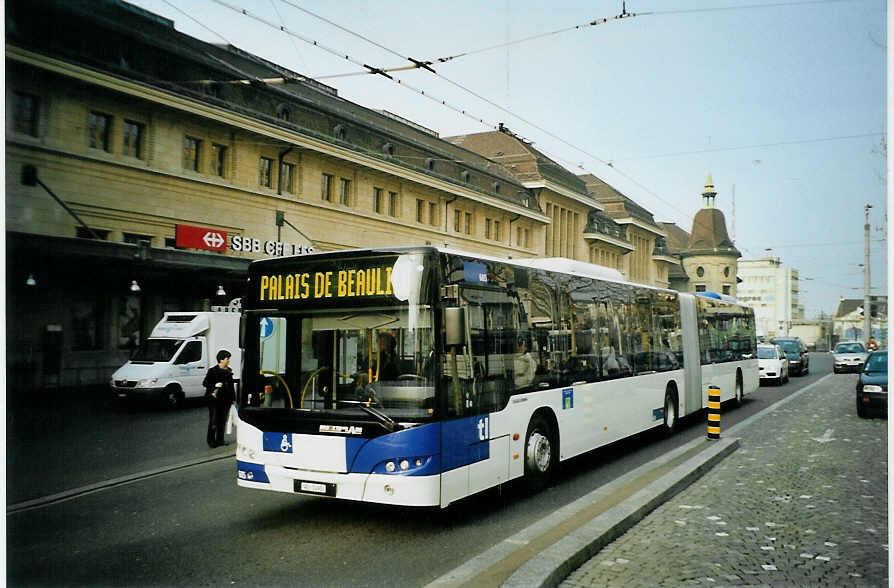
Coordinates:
483 429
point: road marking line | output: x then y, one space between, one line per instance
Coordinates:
67 495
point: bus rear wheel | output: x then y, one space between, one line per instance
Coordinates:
540 453
670 412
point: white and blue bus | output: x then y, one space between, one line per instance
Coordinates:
418 376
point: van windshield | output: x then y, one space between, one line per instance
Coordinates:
157 350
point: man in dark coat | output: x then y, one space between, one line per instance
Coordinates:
221 393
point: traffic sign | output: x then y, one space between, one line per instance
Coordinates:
266 327
201 238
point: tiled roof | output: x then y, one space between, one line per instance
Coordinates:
617 205
848 305
709 234
519 157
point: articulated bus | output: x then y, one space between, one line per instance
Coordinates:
418 376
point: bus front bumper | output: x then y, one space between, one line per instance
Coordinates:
381 488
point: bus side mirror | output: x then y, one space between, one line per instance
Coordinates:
455 325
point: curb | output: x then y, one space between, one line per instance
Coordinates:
550 564
550 567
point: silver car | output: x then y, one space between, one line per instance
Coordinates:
849 356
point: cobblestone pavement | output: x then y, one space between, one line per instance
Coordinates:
802 502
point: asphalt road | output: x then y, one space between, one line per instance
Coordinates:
194 526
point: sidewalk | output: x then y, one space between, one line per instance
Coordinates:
803 501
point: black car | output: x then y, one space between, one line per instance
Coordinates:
796 352
872 387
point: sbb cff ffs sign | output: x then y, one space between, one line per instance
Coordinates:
201 238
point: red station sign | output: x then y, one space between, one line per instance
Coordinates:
201 238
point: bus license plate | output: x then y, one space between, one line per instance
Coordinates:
315 488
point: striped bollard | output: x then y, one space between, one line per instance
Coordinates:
713 412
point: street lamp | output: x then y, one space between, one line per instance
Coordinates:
221 291
134 287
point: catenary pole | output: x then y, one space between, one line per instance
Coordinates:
867 319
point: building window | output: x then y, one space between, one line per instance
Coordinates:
133 139
287 177
527 238
420 211
726 288
24 114
283 113
457 220
392 204
468 227
191 150
487 228
99 126
344 191
497 235
219 160
700 271
86 325
264 172
700 288
378 200
433 214
518 238
326 187
134 238
83 233
726 271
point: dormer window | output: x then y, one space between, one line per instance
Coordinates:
283 113
340 132
388 149
430 164
464 176
496 186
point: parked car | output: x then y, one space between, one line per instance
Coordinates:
849 356
773 363
872 387
796 351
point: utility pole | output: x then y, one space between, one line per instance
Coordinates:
867 322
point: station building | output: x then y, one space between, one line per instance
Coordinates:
145 169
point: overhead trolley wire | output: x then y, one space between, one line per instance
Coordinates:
623 14
426 64
347 57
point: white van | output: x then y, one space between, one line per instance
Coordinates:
172 362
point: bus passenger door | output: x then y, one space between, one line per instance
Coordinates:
472 458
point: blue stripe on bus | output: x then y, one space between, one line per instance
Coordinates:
363 455
465 441
251 472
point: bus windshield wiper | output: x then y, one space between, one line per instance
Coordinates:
386 420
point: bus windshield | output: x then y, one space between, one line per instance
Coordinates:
349 359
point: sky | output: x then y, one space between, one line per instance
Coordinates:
783 102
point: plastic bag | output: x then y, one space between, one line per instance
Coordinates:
232 418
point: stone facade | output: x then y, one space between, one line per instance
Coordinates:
236 145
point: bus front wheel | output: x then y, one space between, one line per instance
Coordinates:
540 453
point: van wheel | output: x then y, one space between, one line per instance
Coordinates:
670 413
540 453
173 397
